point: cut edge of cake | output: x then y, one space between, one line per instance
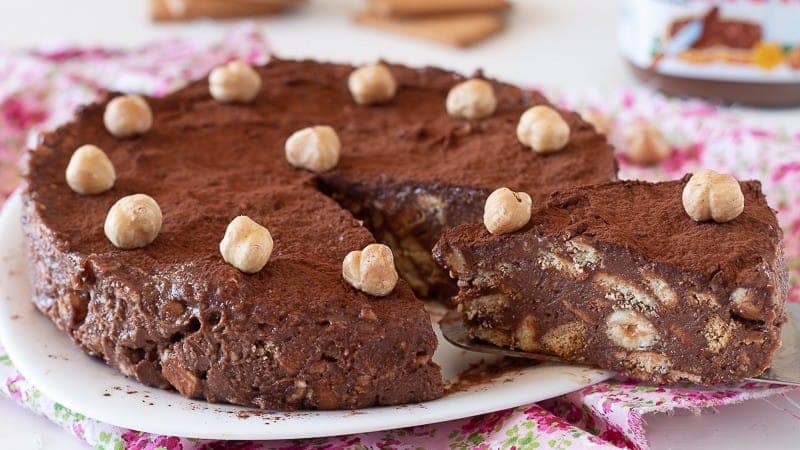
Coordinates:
590 300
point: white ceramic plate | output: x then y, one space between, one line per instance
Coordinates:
64 373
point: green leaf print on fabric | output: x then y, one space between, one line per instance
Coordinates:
67 415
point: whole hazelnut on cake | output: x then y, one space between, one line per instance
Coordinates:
133 221
90 171
246 245
127 116
646 144
371 270
709 195
372 84
471 99
506 211
602 123
314 148
543 129
235 82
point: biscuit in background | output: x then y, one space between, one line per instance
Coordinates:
169 10
459 30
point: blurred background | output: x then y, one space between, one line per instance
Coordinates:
571 44
564 42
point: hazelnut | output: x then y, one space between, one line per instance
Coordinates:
133 221
372 84
543 129
602 123
471 99
246 245
746 305
630 330
90 171
313 148
646 145
712 195
506 211
234 82
371 270
127 116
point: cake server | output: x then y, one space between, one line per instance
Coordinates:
785 366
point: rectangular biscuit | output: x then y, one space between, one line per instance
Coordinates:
458 30
169 10
402 8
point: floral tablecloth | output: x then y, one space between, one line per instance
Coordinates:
40 89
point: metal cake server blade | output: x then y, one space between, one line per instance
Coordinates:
785 366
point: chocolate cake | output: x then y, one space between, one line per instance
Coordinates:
619 276
294 335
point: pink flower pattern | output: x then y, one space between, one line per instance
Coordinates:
40 89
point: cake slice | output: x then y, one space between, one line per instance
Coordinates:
618 276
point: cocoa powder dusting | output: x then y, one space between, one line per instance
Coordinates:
483 372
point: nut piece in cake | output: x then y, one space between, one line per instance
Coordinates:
372 84
128 116
543 129
314 148
744 304
371 270
712 195
646 145
246 245
235 82
506 211
133 221
630 330
471 99
90 171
